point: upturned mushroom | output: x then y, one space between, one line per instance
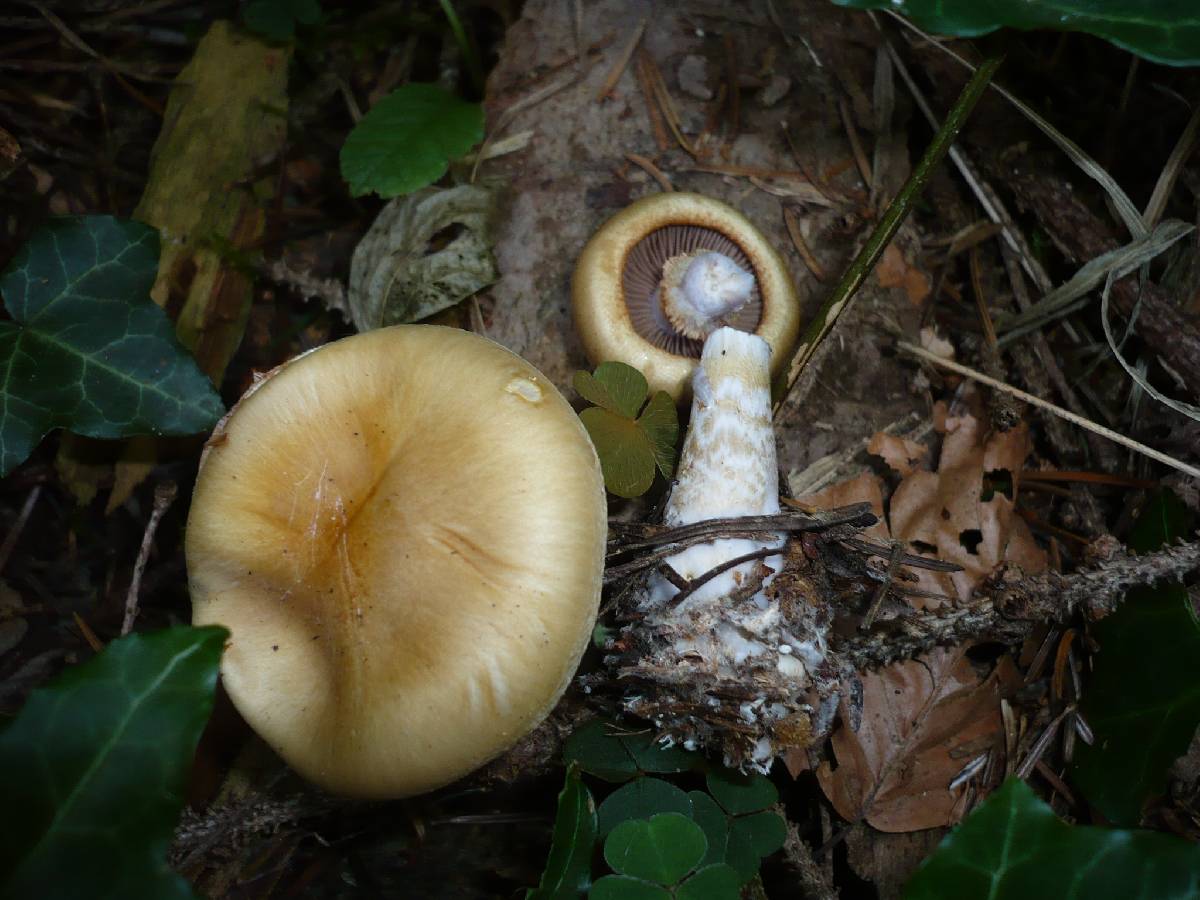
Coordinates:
663 273
404 532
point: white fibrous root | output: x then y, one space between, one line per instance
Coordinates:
700 289
730 647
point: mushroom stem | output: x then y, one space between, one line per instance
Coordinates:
699 289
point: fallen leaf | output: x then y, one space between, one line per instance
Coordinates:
923 721
893 270
898 452
953 515
424 253
865 488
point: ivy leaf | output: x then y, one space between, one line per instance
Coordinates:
1013 847
94 768
630 446
569 866
276 20
640 799
661 849
1143 707
718 882
407 140
1166 32
87 348
601 749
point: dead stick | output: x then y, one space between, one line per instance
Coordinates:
164 496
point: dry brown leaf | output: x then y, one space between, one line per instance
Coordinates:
893 270
923 721
948 513
936 344
865 488
898 452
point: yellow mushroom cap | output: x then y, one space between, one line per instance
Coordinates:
622 264
404 532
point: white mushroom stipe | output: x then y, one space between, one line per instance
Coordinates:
700 289
727 467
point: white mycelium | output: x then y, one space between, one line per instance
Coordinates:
699 289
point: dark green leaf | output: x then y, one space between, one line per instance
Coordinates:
715 825
620 887
625 385
598 751
1143 699
762 832
651 756
276 20
407 140
1164 519
660 421
640 799
1166 31
1013 847
593 391
719 882
88 349
740 794
94 768
626 456
606 751
662 849
569 866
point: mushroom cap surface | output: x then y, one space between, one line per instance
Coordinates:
602 317
404 532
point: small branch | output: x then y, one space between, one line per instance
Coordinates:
699 581
813 883
1050 407
889 224
164 496
1010 603
14 534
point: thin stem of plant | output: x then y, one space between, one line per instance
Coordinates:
1094 427
889 224
164 496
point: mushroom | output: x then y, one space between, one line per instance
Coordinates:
661 274
404 532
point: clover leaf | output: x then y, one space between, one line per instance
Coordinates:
632 437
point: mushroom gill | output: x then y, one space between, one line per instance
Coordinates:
643 273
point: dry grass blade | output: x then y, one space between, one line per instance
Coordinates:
1187 409
1057 410
1166 178
1125 209
1072 295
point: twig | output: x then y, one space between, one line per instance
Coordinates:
164 496
652 170
614 74
1094 427
813 883
14 534
893 570
794 232
690 587
1010 604
856 147
889 224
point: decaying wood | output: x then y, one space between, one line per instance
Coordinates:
1081 235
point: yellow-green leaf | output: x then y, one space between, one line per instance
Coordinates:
625 385
626 455
660 421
